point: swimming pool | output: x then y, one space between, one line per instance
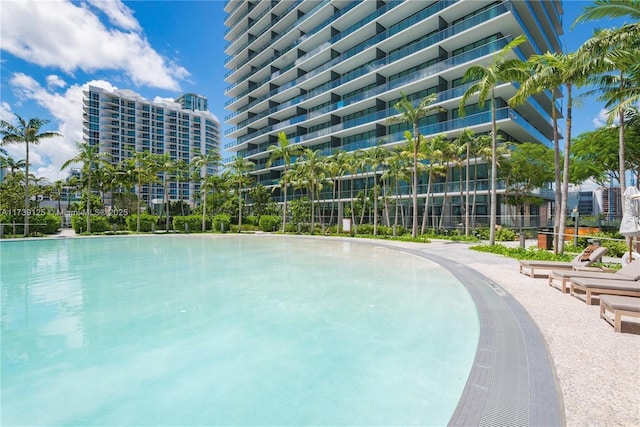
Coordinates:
230 330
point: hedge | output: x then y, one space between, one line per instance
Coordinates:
270 223
147 222
98 223
193 222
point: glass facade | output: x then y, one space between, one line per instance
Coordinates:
328 73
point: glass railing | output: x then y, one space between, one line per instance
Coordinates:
279 36
524 28
534 15
442 35
419 75
532 130
263 30
251 7
342 34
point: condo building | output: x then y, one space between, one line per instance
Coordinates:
122 122
328 73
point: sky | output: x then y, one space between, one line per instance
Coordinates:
52 50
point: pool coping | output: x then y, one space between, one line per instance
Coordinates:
512 380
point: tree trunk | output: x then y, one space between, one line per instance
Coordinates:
466 199
558 178
88 213
414 227
26 192
565 173
494 171
621 159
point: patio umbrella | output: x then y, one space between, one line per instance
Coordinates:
630 225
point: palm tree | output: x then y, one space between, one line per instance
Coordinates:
203 162
601 9
12 164
58 186
90 157
412 115
311 170
432 150
285 151
397 166
141 168
612 62
546 75
237 175
166 165
376 157
500 70
337 166
25 132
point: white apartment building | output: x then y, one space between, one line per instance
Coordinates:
122 122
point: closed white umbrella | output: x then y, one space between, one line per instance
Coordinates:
630 225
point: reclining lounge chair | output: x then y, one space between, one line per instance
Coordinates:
588 256
590 287
563 277
619 306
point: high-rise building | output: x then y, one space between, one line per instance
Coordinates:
122 122
328 73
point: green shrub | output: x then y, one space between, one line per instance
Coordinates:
269 223
193 222
222 222
520 253
365 229
252 220
505 235
147 222
99 223
52 223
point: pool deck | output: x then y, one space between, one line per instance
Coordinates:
557 364
596 369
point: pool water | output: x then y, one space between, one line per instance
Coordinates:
229 330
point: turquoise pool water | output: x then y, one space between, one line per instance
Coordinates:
229 330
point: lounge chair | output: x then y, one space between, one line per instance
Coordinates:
563 277
588 256
590 287
618 306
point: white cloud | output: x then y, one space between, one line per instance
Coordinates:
71 37
55 81
65 107
118 14
6 113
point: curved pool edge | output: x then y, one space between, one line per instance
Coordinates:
512 380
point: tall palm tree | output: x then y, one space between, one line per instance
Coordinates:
237 174
57 188
91 158
412 114
25 132
285 151
376 157
396 171
501 69
164 164
612 59
311 170
547 75
201 163
432 150
336 167
141 168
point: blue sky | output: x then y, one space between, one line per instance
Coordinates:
50 50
